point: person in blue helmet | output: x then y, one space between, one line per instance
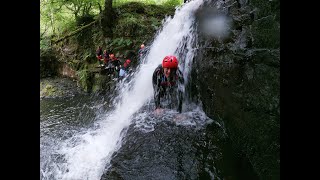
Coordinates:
124 70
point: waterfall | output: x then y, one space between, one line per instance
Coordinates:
87 154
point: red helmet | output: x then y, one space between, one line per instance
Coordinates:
128 61
170 62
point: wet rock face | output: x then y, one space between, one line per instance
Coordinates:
238 79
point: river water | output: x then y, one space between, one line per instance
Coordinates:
170 146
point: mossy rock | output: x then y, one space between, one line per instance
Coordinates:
50 91
136 7
131 24
99 83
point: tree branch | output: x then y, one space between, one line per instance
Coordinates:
73 10
45 30
75 32
100 8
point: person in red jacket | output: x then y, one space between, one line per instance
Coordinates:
126 65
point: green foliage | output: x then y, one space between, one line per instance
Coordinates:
159 11
146 10
172 3
119 44
135 23
79 8
131 18
134 7
135 19
129 23
99 82
97 37
155 2
88 56
75 64
84 20
49 90
123 2
45 43
83 75
59 16
67 25
155 23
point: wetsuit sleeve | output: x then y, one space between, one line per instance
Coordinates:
156 88
180 90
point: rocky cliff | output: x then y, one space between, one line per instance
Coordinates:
238 80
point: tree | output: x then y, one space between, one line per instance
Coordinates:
47 11
107 19
78 7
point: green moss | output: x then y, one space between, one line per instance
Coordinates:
159 11
134 7
131 24
48 90
83 76
99 83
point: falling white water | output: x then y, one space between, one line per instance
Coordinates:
87 154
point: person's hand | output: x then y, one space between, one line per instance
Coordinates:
179 117
158 111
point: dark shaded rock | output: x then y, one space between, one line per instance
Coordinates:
238 80
48 64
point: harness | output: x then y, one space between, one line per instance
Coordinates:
165 82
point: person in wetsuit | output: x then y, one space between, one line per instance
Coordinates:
167 83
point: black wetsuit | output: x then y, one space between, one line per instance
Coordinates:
170 89
142 52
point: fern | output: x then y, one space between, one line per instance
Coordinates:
83 75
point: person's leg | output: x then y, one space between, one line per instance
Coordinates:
100 62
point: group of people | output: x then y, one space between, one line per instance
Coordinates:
112 64
166 80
